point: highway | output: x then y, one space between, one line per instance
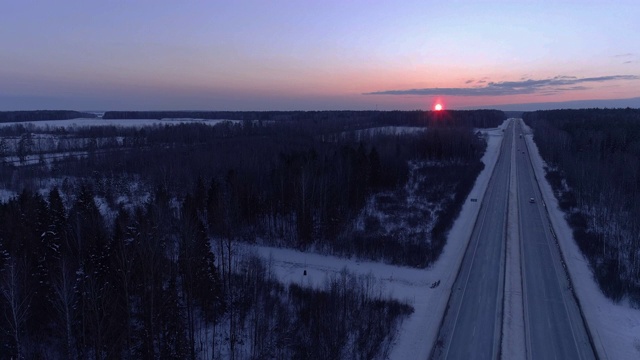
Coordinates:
554 328
472 324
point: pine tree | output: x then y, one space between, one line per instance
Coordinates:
87 226
4 151
174 342
123 277
90 247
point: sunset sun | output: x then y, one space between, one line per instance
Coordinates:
438 107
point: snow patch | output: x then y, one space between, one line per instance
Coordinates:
6 195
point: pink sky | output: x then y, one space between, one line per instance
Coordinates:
314 55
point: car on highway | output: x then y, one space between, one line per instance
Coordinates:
532 200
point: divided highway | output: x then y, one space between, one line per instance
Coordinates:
472 325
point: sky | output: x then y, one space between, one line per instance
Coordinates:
316 54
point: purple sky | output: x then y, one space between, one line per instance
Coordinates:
314 55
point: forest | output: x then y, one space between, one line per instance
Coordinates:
38 115
331 120
593 165
121 242
150 286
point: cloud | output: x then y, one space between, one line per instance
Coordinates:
624 55
528 86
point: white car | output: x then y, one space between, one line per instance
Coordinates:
532 200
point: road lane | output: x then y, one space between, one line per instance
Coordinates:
554 328
472 324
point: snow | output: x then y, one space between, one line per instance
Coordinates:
138 123
614 328
419 331
46 159
105 210
6 195
413 215
383 130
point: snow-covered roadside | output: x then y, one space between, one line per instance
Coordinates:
513 343
419 332
615 328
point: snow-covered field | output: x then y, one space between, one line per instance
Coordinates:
45 159
362 134
86 122
383 130
615 328
419 332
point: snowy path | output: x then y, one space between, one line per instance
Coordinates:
418 333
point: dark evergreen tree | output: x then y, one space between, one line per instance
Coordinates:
174 344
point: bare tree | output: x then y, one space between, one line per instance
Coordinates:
64 301
18 298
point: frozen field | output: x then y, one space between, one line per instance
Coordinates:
86 122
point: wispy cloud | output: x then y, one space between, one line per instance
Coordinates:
528 86
629 58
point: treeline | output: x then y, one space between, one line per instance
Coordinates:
227 115
347 119
593 158
445 118
38 115
149 286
